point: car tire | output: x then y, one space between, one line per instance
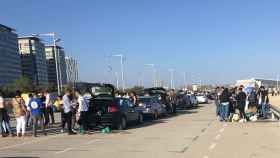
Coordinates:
122 123
140 118
156 115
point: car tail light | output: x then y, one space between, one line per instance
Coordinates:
113 108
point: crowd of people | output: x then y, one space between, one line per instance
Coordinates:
237 104
37 111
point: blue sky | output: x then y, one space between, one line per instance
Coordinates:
216 41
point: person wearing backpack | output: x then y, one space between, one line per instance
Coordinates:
20 113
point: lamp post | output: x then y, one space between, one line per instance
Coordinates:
154 73
117 79
171 78
122 69
58 74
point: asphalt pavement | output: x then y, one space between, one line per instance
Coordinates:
193 133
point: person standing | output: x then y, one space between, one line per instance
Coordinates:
253 100
82 112
217 101
224 99
2 103
20 113
67 112
36 105
45 115
241 98
49 104
263 99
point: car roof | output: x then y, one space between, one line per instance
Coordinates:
146 97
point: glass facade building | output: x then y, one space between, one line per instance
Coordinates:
33 59
10 64
51 64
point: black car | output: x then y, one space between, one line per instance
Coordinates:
106 110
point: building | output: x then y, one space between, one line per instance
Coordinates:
51 54
71 70
10 66
33 60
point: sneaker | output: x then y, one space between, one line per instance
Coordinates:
62 131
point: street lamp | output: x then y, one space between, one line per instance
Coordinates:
122 69
155 71
57 66
171 78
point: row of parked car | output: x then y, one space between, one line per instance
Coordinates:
108 110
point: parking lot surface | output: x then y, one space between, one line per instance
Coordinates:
193 133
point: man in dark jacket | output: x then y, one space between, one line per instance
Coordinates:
241 102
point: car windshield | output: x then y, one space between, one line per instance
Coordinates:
101 90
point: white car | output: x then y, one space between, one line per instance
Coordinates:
202 99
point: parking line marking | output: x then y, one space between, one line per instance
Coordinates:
63 151
218 137
222 130
205 156
212 146
92 141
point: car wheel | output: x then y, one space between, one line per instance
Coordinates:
122 124
140 119
156 115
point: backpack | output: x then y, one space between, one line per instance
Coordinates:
252 97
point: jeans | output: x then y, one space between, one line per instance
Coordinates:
35 120
67 118
263 109
84 120
224 111
217 108
49 112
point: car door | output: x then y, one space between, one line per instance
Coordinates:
132 111
128 110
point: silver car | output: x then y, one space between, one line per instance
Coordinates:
151 107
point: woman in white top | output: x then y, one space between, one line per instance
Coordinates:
82 112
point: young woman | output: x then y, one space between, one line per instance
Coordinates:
20 113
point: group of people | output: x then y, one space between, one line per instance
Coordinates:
38 111
235 101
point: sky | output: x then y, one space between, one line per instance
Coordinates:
213 41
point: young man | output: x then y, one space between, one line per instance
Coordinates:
263 100
67 112
241 102
49 104
82 112
35 106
